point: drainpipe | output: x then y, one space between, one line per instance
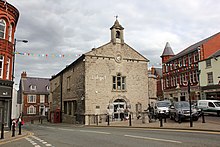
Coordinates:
61 96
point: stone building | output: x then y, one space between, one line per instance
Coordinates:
8 20
111 79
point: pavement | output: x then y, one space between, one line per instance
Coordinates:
8 136
209 126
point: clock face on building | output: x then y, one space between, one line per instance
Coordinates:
118 58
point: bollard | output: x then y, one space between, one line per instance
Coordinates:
32 121
19 127
179 118
165 118
108 119
161 120
41 120
129 119
143 118
13 129
203 117
2 131
97 123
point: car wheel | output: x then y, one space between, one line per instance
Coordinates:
218 113
195 118
176 118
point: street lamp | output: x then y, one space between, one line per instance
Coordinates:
13 65
15 41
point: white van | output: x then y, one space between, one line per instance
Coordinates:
209 106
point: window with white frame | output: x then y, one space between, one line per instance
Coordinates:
7 68
31 98
118 82
47 88
190 59
180 62
42 98
1 65
33 87
2 28
31 110
10 33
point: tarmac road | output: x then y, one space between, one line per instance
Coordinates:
69 136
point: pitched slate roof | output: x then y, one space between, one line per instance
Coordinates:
40 83
167 50
192 48
216 54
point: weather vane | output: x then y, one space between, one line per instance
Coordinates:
116 17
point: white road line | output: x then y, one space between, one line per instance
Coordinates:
156 139
51 127
88 131
66 129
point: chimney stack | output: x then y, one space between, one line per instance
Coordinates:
23 74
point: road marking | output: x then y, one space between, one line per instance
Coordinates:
51 127
66 129
88 131
149 138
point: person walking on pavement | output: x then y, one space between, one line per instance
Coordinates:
150 110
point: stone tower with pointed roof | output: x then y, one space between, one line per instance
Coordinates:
117 33
167 53
112 78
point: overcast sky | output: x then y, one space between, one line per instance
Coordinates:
73 27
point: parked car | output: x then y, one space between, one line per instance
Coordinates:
162 107
181 110
209 106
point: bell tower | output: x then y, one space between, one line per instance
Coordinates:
117 32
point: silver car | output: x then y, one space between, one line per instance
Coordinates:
181 110
162 107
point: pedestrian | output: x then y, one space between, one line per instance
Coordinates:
150 109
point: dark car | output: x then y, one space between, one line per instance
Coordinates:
181 111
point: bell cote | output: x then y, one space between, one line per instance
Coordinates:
117 34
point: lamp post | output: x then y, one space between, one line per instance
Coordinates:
190 103
13 65
15 41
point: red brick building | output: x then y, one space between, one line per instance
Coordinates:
179 68
8 20
33 95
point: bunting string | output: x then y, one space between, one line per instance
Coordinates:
47 55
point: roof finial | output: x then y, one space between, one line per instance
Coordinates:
116 17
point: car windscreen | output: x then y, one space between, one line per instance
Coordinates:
217 104
163 104
182 105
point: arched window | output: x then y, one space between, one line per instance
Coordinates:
117 34
31 110
2 28
10 33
